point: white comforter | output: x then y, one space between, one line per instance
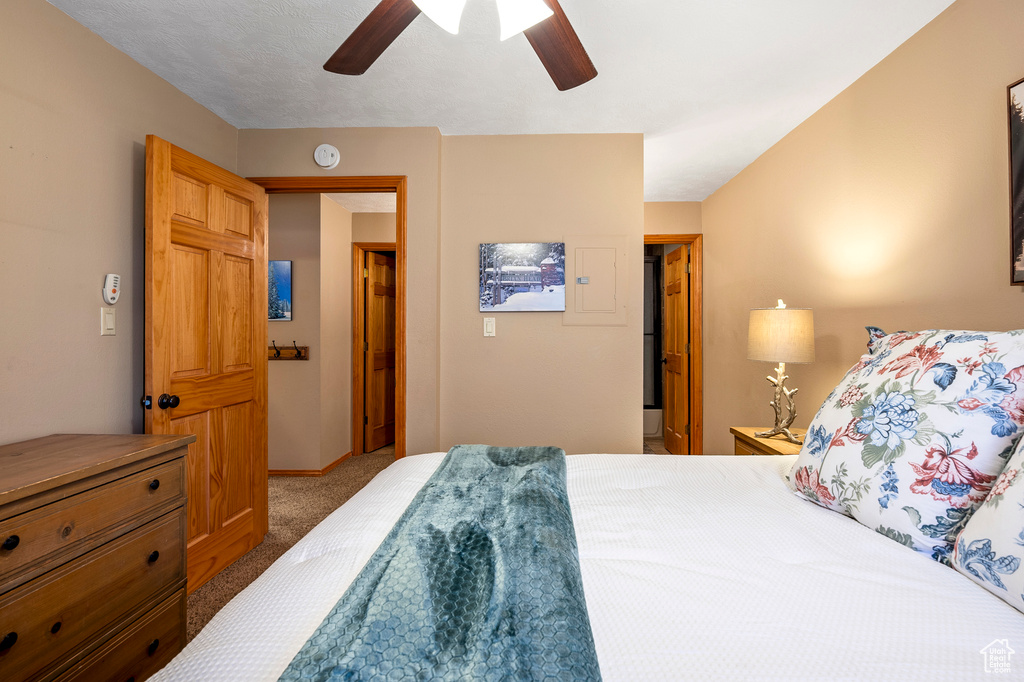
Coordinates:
694 568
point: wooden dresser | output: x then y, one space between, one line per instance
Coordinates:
92 556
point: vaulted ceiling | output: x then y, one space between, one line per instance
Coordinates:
711 85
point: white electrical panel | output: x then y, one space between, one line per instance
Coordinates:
597 274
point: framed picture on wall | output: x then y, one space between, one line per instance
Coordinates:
1015 102
522 277
279 290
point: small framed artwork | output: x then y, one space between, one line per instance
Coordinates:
1015 102
279 290
522 277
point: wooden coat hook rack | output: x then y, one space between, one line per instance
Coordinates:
294 353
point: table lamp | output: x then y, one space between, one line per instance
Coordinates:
781 335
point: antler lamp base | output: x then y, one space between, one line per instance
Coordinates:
782 425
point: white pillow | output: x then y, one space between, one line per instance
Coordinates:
911 440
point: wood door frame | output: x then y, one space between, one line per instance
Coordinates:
696 385
359 251
384 183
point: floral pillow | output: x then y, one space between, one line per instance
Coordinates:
990 547
875 337
911 440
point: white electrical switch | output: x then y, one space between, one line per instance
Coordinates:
488 326
107 327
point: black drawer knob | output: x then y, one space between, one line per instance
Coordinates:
11 542
153 556
153 647
8 641
154 484
56 627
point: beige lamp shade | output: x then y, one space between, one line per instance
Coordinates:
781 335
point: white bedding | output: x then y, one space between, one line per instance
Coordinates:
693 567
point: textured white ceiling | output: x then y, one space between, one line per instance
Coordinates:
710 84
366 202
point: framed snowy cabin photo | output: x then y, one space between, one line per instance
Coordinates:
522 277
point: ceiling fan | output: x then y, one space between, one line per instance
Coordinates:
552 38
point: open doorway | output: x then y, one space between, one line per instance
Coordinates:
395 187
673 353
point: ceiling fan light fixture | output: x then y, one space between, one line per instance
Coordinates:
445 13
516 16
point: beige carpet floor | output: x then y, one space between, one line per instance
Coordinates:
297 503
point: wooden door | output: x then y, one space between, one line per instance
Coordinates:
206 335
677 325
379 369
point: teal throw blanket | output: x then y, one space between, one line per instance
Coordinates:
478 580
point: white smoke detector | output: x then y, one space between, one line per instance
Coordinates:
327 156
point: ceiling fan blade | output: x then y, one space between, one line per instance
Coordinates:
378 30
560 49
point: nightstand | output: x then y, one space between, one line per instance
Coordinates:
748 444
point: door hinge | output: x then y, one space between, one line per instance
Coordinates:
686 349
366 273
687 268
686 430
366 346
366 420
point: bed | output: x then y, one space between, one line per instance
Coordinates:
890 548
693 568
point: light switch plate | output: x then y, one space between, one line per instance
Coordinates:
489 326
107 322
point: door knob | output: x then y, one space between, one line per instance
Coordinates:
166 400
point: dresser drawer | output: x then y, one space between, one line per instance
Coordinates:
88 599
66 527
138 652
742 448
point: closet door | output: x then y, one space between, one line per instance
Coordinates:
206 361
677 324
380 352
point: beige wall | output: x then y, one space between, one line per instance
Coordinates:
888 207
293 404
74 114
415 153
539 382
590 398
373 227
336 225
672 217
